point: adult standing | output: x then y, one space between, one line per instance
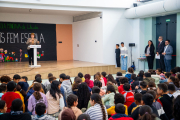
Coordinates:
124 56
168 51
149 52
159 51
118 52
31 41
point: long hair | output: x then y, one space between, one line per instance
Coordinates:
97 99
83 94
32 85
146 113
37 89
87 78
111 78
55 90
152 45
18 88
176 108
77 81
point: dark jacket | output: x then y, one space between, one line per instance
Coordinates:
131 107
44 88
24 85
151 50
30 92
160 48
118 52
120 116
23 116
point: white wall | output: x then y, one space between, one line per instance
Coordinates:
85 33
36 18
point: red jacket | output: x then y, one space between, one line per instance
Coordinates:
8 98
105 80
120 117
129 97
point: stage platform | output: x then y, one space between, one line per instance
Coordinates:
71 68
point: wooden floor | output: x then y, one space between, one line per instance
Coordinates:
71 68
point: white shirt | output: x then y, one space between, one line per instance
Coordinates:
165 48
124 51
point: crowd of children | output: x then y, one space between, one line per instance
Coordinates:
152 95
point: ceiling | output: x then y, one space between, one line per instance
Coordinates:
42 11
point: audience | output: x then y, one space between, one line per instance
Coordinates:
126 98
16 112
10 95
36 97
98 110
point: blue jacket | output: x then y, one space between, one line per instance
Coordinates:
30 92
128 75
169 52
62 91
24 85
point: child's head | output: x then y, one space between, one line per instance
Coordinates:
119 108
95 98
152 72
80 75
117 46
111 78
126 87
98 83
110 89
141 73
173 71
51 79
103 74
151 86
171 88
5 79
98 76
50 75
167 74
143 85
145 113
147 99
3 106
16 78
153 93
123 80
40 109
3 88
37 89
162 88
96 89
174 80
130 70
83 117
147 74
24 79
119 98
72 100
37 75
138 98
87 76
38 79
16 105
158 71
11 86
133 76
119 74
62 77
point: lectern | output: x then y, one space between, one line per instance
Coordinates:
35 55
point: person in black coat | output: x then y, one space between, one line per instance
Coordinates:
117 51
149 52
159 51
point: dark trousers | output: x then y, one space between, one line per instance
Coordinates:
118 61
161 63
167 65
31 56
150 60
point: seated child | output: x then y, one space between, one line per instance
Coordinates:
118 76
118 98
173 91
99 84
41 113
120 113
167 75
5 79
129 73
133 77
128 95
16 78
16 112
137 100
3 90
151 86
160 74
143 86
109 97
3 107
174 81
23 83
173 72
123 80
103 75
148 78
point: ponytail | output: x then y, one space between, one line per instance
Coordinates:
37 89
146 113
97 99
147 116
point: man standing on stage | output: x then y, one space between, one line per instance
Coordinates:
168 51
159 51
124 54
118 52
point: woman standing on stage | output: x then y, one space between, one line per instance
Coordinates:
149 52
31 41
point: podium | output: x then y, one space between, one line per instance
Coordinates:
35 55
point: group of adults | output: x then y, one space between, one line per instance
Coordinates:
164 50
